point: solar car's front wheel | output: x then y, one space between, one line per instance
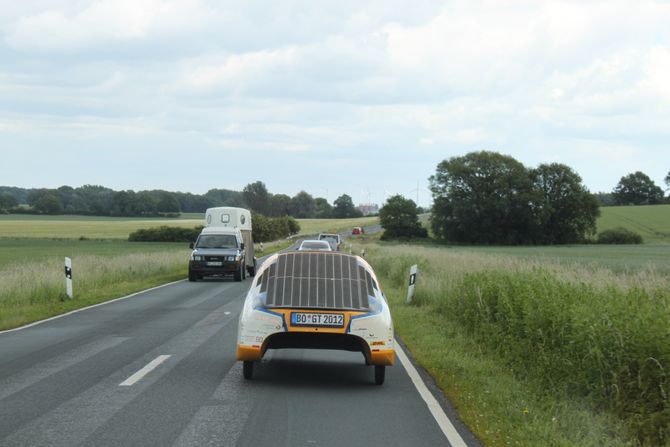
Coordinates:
380 373
248 369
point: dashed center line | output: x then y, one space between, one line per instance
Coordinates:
132 380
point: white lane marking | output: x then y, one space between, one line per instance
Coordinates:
89 307
132 380
436 410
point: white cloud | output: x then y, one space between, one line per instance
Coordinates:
657 70
559 81
106 21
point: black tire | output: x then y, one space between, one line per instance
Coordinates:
244 270
380 373
238 273
192 276
248 369
252 270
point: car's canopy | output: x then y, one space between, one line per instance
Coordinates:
317 280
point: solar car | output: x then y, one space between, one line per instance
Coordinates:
316 300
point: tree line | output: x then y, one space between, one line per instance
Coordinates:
101 201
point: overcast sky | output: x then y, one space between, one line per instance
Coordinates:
331 97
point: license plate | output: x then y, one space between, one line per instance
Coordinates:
215 263
317 319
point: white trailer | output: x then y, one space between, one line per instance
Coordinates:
235 219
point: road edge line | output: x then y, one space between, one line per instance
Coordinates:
434 406
55 317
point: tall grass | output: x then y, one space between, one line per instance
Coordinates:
572 332
36 290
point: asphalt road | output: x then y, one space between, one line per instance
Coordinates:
78 380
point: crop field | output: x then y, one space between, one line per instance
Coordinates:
534 351
652 222
75 227
21 251
618 258
91 227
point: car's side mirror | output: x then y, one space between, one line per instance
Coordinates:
190 245
242 246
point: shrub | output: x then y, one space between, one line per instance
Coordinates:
619 235
267 229
165 234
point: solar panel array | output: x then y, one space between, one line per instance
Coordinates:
317 280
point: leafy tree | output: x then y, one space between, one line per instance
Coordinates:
322 209
399 218
18 193
566 209
302 205
167 203
484 198
34 195
280 205
7 201
344 208
637 189
667 180
192 203
605 198
48 204
224 197
97 199
257 197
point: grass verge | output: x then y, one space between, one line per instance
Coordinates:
32 290
535 353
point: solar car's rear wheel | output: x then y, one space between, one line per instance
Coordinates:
380 373
248 369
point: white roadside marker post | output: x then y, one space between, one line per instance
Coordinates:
412 281
68 277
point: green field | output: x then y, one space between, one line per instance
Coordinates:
652 222
19 251
538 351
74 227
618 258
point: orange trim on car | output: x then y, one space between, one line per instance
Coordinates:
382 357
249 353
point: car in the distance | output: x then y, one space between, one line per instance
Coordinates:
314 245
357 230
334 239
